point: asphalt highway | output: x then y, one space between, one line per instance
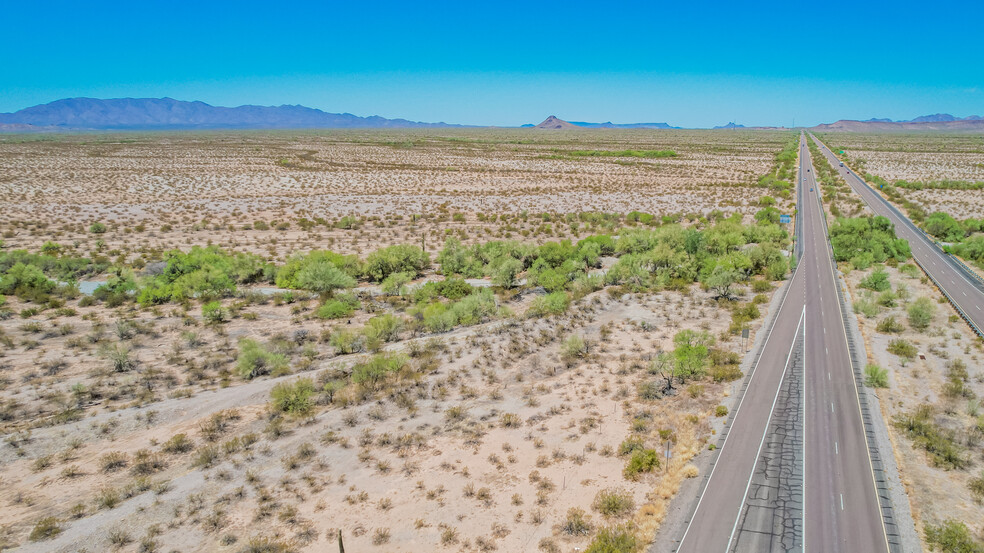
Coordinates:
840 510
962 288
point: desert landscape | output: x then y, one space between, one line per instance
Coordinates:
399 340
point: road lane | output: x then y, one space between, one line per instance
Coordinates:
963 289
842 511
841 507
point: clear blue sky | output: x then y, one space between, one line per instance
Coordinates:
509 63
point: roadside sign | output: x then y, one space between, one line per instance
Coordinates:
785 218
744 333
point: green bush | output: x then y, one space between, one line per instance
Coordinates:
613 503
944 227
287 275
213 312
643 460
45 529
400 258
951 536
347 341
293 398
877 281
323 277
875 376
619 539
27 282
902 348
255 360
889 325
867 235
574 347
338 307
97 228
921 313
372 373
395 282
554 303
941 444
205 273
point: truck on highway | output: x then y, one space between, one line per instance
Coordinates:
842 164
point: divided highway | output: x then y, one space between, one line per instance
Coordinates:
962 288
819 495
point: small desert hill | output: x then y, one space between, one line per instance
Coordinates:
553 123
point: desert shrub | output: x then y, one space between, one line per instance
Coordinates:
875 376
720 411
213 312
373 372
119 358
288 273
472 309
889 325
613 503
504 275
866 306
44 529
554 303
255 360
902 348
576 523
640 461
293 398
179 443
97 228
394 283
921 313
400 258
941 445
323 277
574 347
27 282
347 341
382 328
944 227
619 539
867 235
877 281
340 306
976 485
205 273
951 536
268 545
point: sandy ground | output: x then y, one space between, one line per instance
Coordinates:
935 494
235 189
401 474
921 157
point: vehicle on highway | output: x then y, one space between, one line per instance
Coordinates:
811 190
842 164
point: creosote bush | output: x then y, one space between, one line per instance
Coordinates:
293 398
255 360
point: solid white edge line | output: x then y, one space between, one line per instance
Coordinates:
765 432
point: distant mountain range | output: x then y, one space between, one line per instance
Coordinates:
935 122
167 113
73 114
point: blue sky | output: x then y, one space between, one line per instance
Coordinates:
509 63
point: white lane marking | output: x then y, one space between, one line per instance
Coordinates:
831 406
842 502
828 375
765 431
836 451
